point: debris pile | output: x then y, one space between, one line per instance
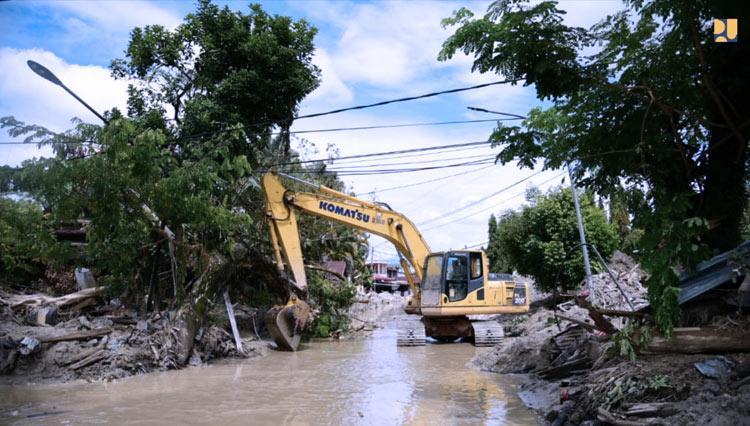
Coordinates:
587 365
630 278
79 336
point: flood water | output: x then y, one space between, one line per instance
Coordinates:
367 382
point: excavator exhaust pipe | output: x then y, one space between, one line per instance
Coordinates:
286 323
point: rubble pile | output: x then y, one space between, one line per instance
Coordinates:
79 336
369 308
629 276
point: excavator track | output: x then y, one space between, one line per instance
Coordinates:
410 332
487 333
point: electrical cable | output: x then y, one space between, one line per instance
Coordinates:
295 132
444 215
376 191
490 207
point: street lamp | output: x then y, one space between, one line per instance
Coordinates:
496 112
46 74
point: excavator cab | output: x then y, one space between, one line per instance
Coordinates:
457 285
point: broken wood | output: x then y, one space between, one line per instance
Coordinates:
83 304
653 409
327 271
233 322
562 371
601 322
587 326
620 313
34 300
696 340
94 357
81 335
80 356
605 416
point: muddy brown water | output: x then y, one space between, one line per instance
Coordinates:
366 382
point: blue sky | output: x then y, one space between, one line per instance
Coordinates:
368 52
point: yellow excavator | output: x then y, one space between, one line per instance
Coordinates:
447 287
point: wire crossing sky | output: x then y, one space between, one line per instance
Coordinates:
380 81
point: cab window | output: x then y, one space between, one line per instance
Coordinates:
476 265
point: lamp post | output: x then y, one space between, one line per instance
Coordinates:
581 233
46 74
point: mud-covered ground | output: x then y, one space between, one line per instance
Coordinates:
613 390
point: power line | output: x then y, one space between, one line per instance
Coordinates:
488 208
476 202
358 107
481 199
376 191
296 132
345 172
418 154
437 160
382 154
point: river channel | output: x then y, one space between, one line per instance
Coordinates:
364 382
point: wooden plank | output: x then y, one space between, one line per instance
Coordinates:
697 340
81 335
587 326
620 313
96 356
601 322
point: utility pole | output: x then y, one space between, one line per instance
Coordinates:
582 234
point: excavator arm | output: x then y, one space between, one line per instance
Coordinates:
281 207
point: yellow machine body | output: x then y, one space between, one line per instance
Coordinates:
444 285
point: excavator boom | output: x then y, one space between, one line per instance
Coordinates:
377 219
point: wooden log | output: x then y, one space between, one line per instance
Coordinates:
33 300
564 370
653 409
96 356
697 340
85 354
605 416
233 322
587 326
81 335
601 322
620 313
82 304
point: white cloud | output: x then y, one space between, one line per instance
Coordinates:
120 14
332 91
388 43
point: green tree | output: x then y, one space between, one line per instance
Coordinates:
536 238
496 256
176 191
658 106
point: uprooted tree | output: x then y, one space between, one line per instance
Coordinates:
171 190
644 99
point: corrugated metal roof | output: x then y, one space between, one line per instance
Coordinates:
711 273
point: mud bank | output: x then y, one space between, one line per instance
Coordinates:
569 379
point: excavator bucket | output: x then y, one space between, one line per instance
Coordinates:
285 323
